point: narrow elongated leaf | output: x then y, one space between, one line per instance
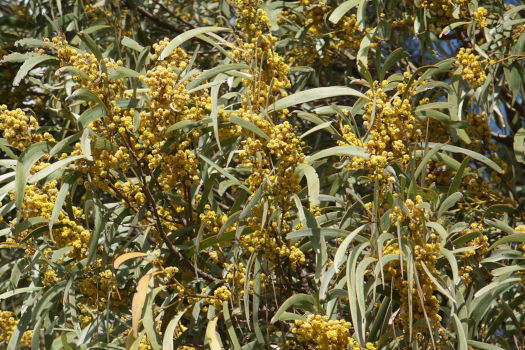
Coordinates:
127 256
229 326
179 39
519 145
313 182
352 151
471 154
211 335
117 73
138 302
449 202
210 73
483 346
29 64
297 300
249 126
167 341
48 170
312 95
132 44
341 10
19 291
460 334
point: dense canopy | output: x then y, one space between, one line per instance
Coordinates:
249 174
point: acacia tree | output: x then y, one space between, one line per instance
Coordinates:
255 174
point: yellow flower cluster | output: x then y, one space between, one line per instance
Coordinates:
472 70
471 258
442 10
236 277
212 220
98 289
271 160
8 325
480 242
426 250
392 129
221 295
480 16
321 42
39 201
171 102
19 130
114 127
325 333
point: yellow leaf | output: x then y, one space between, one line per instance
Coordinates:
138 302
127 256
211 336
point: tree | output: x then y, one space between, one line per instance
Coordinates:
246 174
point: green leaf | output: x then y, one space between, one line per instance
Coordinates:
92 46
229 326
313 182
453 264
233 218
167 341
179 39
132 44
298 300
19 291
451 27
483 346
519 145
210 73
312 95
117 73
472 154
89 116
454 186
61 197
48 170
460 334
32 42
17 57
316 128
352 151
449 202
249 126
86 95
29 64
97 229
224 172
422 166
341 10
396 56
364 47
183 124
340 254
257 299
516 237
440 288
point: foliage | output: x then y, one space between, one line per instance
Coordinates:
246 174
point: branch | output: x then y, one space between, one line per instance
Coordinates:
159 21
507 140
